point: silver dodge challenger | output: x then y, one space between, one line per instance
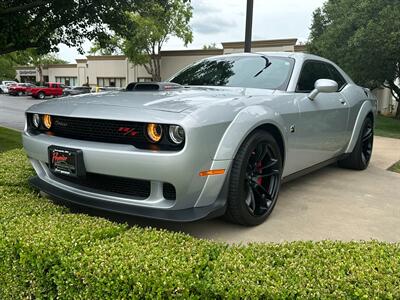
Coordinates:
218 138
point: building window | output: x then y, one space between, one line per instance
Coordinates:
28 79
111 82
69 81
144 79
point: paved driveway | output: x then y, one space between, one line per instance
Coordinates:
331 203
12 110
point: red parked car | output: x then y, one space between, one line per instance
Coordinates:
20 89
54 89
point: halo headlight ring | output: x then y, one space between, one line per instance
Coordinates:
36 120
154 132
176 134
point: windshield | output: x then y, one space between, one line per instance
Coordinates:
239 71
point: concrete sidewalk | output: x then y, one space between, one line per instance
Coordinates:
331 203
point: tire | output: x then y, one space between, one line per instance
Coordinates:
1 91
254 183
360 157
20 93
41 95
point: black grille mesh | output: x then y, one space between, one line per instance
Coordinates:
108 131
169 192
112 184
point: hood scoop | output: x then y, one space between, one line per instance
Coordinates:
152 86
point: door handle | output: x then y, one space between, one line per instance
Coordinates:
342 101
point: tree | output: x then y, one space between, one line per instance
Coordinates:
212 46
142 34
363 37
9 61
40 60
43 24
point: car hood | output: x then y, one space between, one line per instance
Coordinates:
175 101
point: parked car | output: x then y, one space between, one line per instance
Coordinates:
218 139
77 90
54 89
4 86
20 89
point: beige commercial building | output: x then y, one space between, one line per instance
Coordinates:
117 71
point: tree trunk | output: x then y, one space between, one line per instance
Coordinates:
395 90
398 111
40 71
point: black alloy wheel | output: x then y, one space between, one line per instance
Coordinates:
255 180
367 141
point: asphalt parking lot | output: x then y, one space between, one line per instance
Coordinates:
12 110
331 203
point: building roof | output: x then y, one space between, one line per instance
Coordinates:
188 52
261 43
106 57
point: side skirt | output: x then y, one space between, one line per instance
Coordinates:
313 168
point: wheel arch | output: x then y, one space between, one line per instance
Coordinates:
246 122
367 109
277 134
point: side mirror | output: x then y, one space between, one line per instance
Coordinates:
323 86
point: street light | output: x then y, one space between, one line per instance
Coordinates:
249 23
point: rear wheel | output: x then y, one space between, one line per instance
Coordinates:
20 93
254 180
41 95
360 157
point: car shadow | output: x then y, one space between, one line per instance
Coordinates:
218 229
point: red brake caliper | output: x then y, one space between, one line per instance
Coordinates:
259 169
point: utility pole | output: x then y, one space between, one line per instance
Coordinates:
249 23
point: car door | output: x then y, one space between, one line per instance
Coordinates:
323 121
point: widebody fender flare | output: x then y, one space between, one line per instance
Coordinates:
243 124
366 108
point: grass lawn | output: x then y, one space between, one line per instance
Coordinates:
388 127
47 252
395 167
9 139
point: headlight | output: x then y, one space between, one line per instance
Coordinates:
47 121
176 134
36 120
154 132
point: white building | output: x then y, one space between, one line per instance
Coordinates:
117 71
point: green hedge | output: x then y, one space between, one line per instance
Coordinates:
47 252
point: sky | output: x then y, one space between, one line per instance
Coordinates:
216 21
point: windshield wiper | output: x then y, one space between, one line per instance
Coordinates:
267 64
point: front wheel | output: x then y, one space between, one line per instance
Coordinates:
360 157
20 93
41 95
255 180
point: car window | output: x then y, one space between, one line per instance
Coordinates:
311 72
239 71
335 75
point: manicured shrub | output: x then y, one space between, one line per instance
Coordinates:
46 252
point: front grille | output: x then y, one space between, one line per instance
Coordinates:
106 131
169 192
109 131
112 184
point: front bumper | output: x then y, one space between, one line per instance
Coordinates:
184 215
196 197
